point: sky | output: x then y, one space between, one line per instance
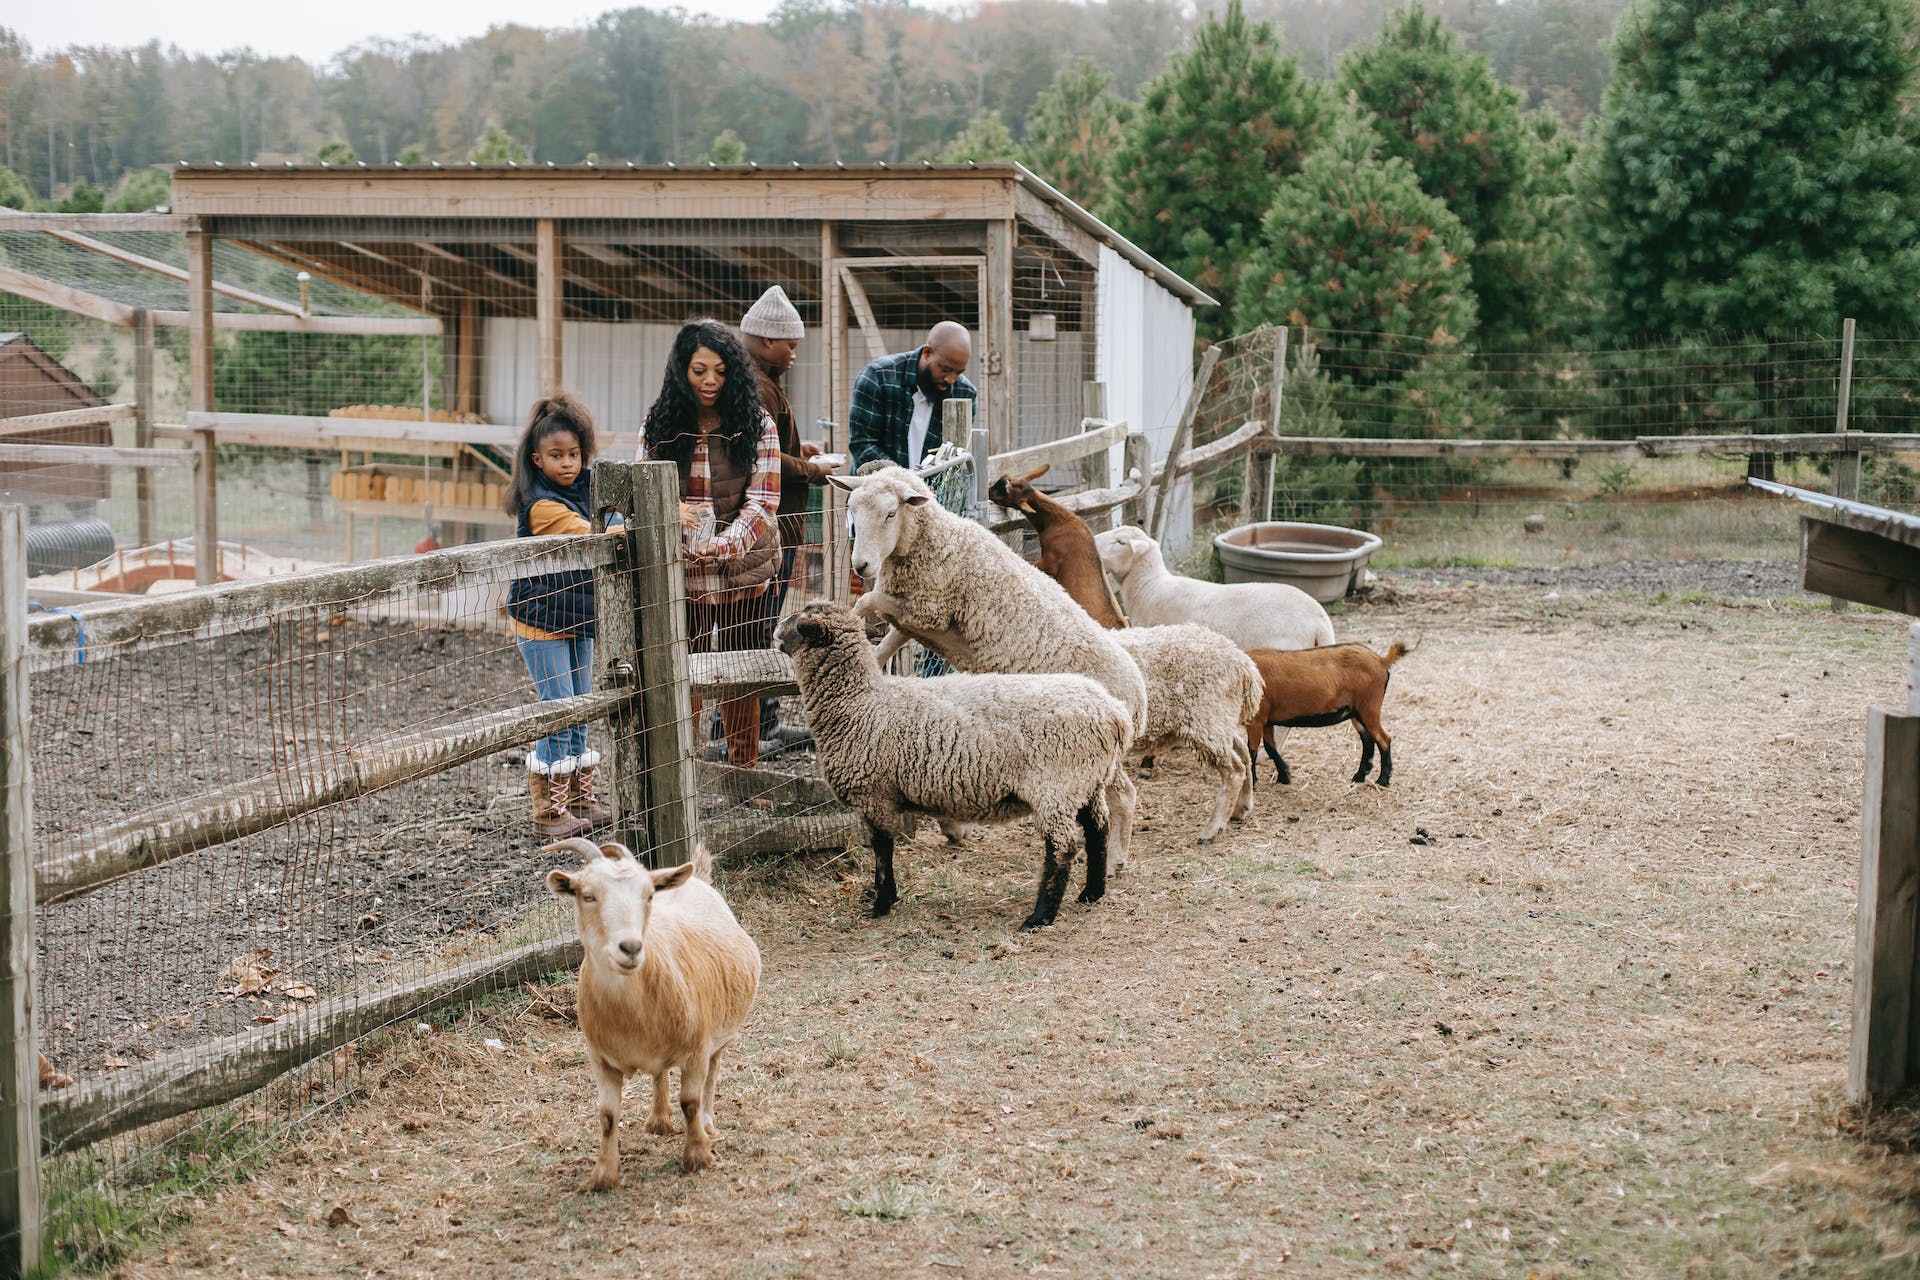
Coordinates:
315 32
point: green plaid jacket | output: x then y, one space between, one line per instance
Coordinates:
883 409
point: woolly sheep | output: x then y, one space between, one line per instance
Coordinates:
964 748
666 978
945 581
1254 615
1201 692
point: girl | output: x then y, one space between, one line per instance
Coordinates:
553 613
708 421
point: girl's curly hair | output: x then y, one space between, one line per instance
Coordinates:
562 411
673 421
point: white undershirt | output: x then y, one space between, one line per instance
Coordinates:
917 429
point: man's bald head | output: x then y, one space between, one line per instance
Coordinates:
948 349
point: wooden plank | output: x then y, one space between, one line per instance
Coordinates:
86 417
995 341
16 220
665 687
143 406
1169 476
206 1075
65 297
313 430
1865 568
548 305
772 786
95 455
1096 440
466 375
1213 451
142 623
20 1199
863 312
835 555
1137 463
172 272
233 812
365 326
617 652
741 673
733 840
1047 219
1884 1053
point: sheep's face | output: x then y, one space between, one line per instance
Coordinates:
818 627
880 504
1014 492
1122 550
612 900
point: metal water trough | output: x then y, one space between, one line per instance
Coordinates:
1323 560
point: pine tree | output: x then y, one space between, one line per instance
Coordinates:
1437 106
337 152
1212 136
1073 129
496 146
14 191
1753 170
985 138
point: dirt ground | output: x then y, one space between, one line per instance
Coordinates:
1571 998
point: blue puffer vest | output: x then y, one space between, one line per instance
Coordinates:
557 602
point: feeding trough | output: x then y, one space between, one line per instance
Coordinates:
1323 560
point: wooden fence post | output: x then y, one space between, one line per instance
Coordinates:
617 640
1884 1055
1846 465
1136 458
1261 461
666 690
1170 478
1096 469
143 422
20 1207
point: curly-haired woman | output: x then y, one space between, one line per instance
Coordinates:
708 421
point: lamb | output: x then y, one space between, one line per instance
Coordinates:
1313 687
666 978
1201 689
1201 692
945 581
1254 615
1067 551
962 748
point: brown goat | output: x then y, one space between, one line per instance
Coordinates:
1309 688
1067 552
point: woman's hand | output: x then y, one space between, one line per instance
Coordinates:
709 551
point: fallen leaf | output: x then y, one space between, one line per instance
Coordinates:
113 1062
340 1217
287 1229
299 991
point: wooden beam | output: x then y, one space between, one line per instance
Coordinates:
1884 1051
206 1075
996 323
742 673
87 417
1211 452
548 304
94 455
167 269
1865 568
1057 453
65 297
20 1198
784 789
143 403
206 497
328 269
233 812
863 312
368 326
297 428
466 375
733 840
835 555
15 220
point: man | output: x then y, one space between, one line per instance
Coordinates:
897 400
771 332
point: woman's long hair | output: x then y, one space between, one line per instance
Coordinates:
673 421
550 415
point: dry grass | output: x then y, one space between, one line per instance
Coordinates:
1597 1027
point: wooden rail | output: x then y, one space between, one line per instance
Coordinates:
88 417
78 455
1821 442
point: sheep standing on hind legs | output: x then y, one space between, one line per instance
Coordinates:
967 748
666 978
945 581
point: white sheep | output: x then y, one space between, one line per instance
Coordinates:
1254 615
945 581
1201 692
960 748
666 978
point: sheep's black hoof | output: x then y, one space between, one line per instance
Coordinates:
1360 776
1092 893
883 906
1034 921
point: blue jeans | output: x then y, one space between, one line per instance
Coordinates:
560 669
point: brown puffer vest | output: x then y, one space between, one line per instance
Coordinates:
727 484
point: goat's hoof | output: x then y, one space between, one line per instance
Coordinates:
602 1181
882 908
696 1159
1034 921
1204 840
662 1127
1091 895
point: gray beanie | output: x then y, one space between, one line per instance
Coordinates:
773 317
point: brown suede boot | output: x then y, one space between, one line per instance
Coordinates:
583 803
551 821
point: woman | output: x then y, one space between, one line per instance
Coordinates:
708 421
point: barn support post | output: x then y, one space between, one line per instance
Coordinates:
996 316
1096 470
835 558
1884 1054
20 1204
547 303
616 645
666 688
206 506
143 422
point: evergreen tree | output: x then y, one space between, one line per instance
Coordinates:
83 198
338 152
1074 129
496 146
985 138
141 190
728 148
1213 134
1437 106
14 191
411 154
1753 169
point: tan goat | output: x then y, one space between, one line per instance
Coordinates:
666 979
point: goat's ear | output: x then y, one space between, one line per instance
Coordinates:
560 882
672 877
916 499
1031 476
616 851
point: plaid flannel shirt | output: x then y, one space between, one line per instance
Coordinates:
882 410
705 581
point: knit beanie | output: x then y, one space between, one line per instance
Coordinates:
773 317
